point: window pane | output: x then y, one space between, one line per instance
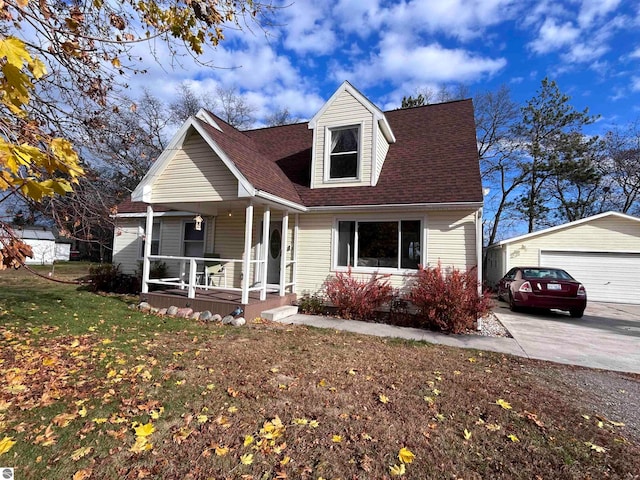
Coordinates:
345 140
193 249
344 166
346 243
378 244
411 248
190 232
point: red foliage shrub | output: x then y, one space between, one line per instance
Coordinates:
357 299
448 301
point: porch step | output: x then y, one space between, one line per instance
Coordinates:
277 314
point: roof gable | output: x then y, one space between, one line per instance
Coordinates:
565 226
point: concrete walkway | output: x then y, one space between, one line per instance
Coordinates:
550 337
494 344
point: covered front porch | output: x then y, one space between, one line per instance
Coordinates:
240 253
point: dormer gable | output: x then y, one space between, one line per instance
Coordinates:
351 138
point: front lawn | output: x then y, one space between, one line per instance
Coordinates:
92 389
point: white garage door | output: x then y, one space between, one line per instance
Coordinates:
608 277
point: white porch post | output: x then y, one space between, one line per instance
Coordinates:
266 227
246 256
479 242
146 264
283 251
294 257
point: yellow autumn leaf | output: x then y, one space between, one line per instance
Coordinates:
300 421
285 460
232 409
144 430
314 424
141 445
397 470
504 404
466 434
98 421
246 459
116 62
5 444
202 418
82 474
493 427
472 359
405 455
81 452
596 448
15 52
513 438
221 450
336 438
322 383
616 424
83 412
248 440
352 372
383 398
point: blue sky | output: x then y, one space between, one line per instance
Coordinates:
388 49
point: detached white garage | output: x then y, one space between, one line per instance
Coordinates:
602 252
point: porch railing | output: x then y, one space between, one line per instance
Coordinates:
191 274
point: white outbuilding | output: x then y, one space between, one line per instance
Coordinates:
602 252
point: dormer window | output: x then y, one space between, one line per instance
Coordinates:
344 153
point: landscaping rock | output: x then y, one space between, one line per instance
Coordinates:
144 307
172 310
184 312
195 316
238 322
206 316
154 310
216 318
133 306
227 320
162 312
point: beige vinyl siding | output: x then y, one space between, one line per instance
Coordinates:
607 234
127 244
494 269
382 147
450 239
229 243
195 172
346 110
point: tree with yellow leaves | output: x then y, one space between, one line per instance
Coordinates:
63 64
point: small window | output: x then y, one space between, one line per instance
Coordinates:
155 240
193 240
343 161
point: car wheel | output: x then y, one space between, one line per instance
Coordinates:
576 313
512 304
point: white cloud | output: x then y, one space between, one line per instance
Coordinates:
635 84
553 36
360 17
420 64
592 10
308 28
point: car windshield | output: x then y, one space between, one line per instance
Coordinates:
546 274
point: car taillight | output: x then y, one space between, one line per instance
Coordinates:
581 291
525 287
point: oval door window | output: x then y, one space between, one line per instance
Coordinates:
275 244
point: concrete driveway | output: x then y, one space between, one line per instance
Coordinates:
608 336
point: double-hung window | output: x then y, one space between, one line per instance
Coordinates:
344 153
155 239
193 245
379 244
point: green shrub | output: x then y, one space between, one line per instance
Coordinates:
447 301
311 304
107 277
358 299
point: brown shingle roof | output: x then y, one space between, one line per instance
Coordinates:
434 160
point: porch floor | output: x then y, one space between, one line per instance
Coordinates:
221 302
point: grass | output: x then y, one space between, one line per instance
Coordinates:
78 370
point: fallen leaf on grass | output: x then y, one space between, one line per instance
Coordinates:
336 438
81 452
513 438
504 404
82 474
405 455
466 434
383 399
398 470
141 445
595 447
144 430
5 444
221 450
246 459
248 440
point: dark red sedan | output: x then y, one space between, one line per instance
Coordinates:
540 287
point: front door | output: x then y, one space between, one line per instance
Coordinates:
273 253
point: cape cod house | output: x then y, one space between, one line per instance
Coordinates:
276 211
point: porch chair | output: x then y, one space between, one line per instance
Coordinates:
212 270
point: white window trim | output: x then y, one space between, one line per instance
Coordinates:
394 270
327 152
141 227
204 239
